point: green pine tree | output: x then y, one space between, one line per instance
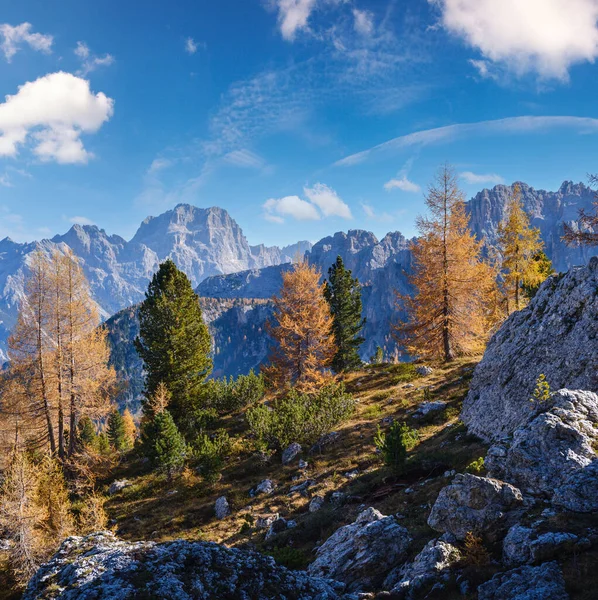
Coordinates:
87 433
378 357
103 444
168 445
174 342
117 435
343 293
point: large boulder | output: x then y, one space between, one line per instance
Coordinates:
430 568
545 451
579 492
475 504
362 554
102 566
555 335
526 583
526 545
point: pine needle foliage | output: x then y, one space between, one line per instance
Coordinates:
395 444
450 312
302 332
174 341
519 244
343 293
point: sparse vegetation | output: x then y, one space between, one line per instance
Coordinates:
395 444
541 391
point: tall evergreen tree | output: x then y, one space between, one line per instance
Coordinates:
168 448
519 244
343 293
116 431
87 433
174 341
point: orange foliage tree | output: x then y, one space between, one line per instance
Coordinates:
450 313
302 332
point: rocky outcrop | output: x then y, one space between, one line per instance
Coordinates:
526 545
480 505
556 335
526 583
363 553
102 566
430 568
579 492
546 451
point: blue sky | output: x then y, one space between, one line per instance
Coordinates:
300 117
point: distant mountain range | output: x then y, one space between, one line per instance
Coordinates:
236 279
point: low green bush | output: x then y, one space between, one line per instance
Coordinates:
395 444
210 452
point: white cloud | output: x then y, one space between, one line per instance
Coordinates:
158 164
53 111
364 22
402 183
290 206
448 133
542 36
369 211
5 180
81 221
89 61
322 201
14 37
190 46
328 201
475 178
373 215
293 15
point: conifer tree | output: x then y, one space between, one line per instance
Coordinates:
116 431
378 357
448 315
343 294
130 429
87 433
174 341
519 244
302 332
168 445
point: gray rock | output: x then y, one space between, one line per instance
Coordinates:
362 554
316 504
301 488
426 409
327 439
551 447
423 370
118 486
524 545
264 521
265 487
276 527
579 492
221 508
556 335
526 583
290 453
429 568
478 504
102 566
303 464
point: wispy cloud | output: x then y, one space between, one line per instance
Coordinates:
402 183
293 16
13 37
245 159
328 201
192 46
159 164
373 215
481 178
81 221
90 61
545 37
510 125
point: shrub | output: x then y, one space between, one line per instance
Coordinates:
541 391
291 558
210 453
395 444
165 444
476 466
229 395
301 418
475 553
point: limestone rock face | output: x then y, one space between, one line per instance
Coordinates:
556 335
579 492
478 504
526 583
429 568
550 447
524 545
362 554
102 566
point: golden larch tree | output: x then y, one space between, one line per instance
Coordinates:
519 245
302 332
449 314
